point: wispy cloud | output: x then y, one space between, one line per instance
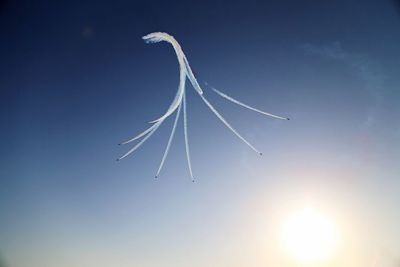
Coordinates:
365 69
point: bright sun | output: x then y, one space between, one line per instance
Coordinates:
309 235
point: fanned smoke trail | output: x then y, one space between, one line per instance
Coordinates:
185 71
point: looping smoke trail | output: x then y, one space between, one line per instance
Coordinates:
185 71
177 100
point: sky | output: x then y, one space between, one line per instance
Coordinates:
76 79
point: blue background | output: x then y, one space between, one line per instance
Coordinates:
76 79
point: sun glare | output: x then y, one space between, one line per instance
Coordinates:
309 235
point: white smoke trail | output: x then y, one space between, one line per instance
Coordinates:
185 71
191 77
186 137
178 98
227 124
142 141
245 105
139 135
156 37
155 122
178 112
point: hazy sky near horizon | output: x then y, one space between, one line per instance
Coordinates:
76 79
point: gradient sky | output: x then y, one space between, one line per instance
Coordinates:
76 79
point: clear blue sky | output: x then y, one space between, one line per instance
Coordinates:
76 79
